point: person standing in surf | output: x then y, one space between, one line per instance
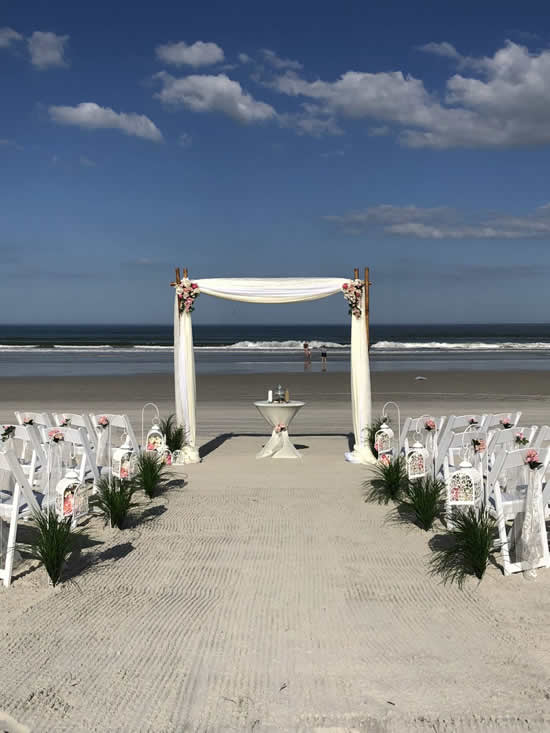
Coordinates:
323 358
307 356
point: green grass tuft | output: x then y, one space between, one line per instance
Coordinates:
424 500
53 544
468 547
150 473
115 499
174 434
389 482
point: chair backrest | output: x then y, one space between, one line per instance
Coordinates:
78 421
542 437
506 438
42 420
508 460
122 422
453 438
494 420
413 425
10 463
78 437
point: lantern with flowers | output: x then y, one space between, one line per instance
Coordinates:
71 497
155 440
384 438
418 459
124 460
465 485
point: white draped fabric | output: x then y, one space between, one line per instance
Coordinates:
272 290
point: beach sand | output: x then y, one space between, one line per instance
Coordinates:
268 595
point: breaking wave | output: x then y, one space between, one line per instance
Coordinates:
467 346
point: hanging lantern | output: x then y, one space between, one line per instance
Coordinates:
464 486
383 439
123 460
155 440
71 496
417 461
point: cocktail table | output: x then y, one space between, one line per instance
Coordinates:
279 415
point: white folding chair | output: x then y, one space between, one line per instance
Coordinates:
82 452
118 425
455 424
42 420
16 501
496 420
505 440
541 438
78 421
509 506
29 450
413 425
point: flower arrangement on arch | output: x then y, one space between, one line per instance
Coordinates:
280 427
430 425
8 432
103 422
56 436
521 439
353 292
506 422
532 459
187 293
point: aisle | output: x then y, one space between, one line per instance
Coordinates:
268 597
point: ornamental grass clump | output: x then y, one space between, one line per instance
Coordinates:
423 499
467 547
174 434
150 473
115 499
389 482
53 544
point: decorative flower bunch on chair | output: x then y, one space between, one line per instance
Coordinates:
56 436
8 432
521 439
103 422
506 422
352 293
532 459
479 445
187 293
430 425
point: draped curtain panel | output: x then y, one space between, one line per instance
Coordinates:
272 290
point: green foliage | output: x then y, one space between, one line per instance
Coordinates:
372 430
150 473
115 499
174 434
389 482
53 544
468 546
423 499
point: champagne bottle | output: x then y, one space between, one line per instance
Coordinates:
287 395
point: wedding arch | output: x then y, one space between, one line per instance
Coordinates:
273 290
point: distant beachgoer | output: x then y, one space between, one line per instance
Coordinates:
323 358
307 352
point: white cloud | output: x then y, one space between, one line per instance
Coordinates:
9 36
208 93
47 49
197 54
87 162
93 117
506 103
244 58
279 63
443 223
185 140
441 49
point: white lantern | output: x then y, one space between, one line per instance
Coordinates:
464 486
417 461
155 440
124 460
71 496
383 439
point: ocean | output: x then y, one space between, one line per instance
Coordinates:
27 351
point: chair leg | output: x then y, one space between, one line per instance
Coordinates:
10 546
504 544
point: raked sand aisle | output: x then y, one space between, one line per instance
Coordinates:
268 596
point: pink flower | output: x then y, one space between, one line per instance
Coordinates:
429 425
385 459
123 473
103 421
56 435
194 285
168 459
345 286
151 446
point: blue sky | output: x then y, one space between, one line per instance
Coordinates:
257 139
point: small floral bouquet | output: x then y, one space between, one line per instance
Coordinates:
187 293
532 459
479 445
28 421
385 459
56 436
429 425
154 443
353 292
521 439
280 428
65 422
8 432
506 422
472 421
103 422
